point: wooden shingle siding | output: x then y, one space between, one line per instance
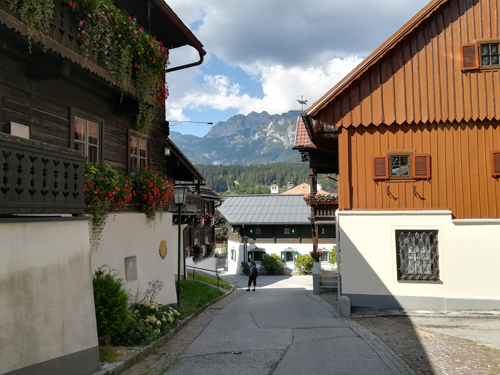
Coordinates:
460 159
45 106
421 79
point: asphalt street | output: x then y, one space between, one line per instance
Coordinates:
279 329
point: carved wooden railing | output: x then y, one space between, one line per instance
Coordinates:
192 206
37 178
323 210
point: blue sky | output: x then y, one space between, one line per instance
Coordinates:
263 55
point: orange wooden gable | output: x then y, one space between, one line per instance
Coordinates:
416 76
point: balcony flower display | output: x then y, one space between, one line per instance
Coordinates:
153 192
211 218
105 190
321 197
126 50
189 251
200 220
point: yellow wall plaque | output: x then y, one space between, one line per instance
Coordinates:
163 249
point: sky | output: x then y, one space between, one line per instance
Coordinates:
264 55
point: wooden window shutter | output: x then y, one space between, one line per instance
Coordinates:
421 166
380 167
495 163
470 56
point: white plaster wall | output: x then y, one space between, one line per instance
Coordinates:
206 263
234 266
127 234
469 255
46 296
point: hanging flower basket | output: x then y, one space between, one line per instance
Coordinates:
200 220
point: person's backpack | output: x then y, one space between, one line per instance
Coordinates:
255 271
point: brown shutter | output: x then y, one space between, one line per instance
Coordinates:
470 58
421 166
380 167
495 163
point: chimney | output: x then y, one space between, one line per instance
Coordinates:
275 189
289 186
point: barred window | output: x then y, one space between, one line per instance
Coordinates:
417 255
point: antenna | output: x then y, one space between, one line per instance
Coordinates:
302 102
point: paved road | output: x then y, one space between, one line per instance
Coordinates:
279 329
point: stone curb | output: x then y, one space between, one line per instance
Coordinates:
123 365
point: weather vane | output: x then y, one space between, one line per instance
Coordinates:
302 102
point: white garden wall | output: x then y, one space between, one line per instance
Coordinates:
47 319
128 239
468 261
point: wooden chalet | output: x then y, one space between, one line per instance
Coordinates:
61 105
416 130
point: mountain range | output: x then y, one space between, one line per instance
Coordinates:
257 138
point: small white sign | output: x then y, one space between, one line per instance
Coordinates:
19 130
167 151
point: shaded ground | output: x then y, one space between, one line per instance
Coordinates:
428 352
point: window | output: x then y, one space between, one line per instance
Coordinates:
196 236
289 255
325 257
254 231
86 135
233 230
207 208
417 255
255 255
207 234
489 54
233 254
495 163
400 166
139 152
289 231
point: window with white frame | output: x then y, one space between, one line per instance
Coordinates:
196 237
86 135
207 233
325 257
417 255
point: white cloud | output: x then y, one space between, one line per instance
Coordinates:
281 86
291 47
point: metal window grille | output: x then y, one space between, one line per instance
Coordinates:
325 257
417 255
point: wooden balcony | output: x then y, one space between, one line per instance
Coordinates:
322 210
192 206
61 41
37 178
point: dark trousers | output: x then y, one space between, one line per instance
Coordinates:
252 278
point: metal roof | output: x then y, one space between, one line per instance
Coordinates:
265 209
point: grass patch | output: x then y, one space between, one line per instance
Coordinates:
210 280
109 354
195 295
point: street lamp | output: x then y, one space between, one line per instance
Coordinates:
179 198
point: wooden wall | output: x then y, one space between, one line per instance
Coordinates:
461 171
420 78
274 234
45 107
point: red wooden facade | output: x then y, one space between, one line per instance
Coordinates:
413 95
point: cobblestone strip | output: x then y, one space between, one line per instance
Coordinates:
429 352
390 358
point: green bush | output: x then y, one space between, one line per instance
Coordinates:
333 255
245 268
111 304
272 264
304 264
150 321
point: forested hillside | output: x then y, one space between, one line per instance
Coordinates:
257 179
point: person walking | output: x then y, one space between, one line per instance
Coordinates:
253 276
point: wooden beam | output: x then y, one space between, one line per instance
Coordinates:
49 70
